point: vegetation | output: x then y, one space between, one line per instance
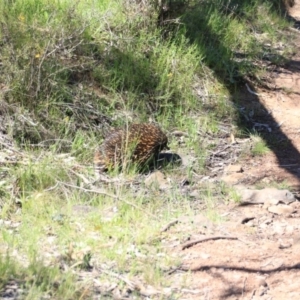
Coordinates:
70 71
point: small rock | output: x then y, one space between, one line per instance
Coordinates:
261 281
250 224
295 204
194 194
266 180
269 202
281 209
154 177
232 178
263 226
157 179
268 196
234 169
205 255
268 221
289 229
284 245
187 160
278 228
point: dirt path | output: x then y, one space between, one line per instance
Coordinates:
264 261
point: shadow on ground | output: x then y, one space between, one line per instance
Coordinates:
228 70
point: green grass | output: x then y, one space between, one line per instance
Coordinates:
69 71
36 280
259 147
283 185
129 63
49 225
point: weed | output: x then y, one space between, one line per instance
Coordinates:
230 193
259 147
283 185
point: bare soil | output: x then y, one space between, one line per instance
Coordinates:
264 261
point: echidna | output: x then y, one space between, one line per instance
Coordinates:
137 143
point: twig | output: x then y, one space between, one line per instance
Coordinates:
169 225
106 194
39 69
28 121
51 187
88 190
84 179
219 151
252 294
244 285
251 92
190 244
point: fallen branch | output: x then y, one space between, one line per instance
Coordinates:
212 238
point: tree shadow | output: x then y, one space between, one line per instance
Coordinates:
228 67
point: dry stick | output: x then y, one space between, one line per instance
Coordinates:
101 178
51 187
169 225
190 244
244 285
84 179
252 294
219 151
106 194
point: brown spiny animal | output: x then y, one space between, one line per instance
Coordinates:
137 143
